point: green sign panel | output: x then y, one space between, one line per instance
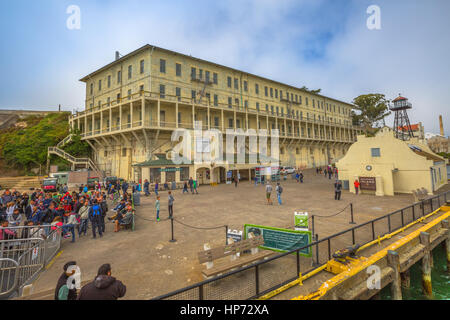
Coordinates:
281 240
301 221
169 169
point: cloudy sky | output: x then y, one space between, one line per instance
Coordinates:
314 43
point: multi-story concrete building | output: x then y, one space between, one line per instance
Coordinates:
134 104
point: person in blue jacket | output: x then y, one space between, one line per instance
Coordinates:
95 215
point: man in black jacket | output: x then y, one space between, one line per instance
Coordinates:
104 287
104 207
47 216
29 209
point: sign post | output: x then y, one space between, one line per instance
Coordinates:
301 222
235 235
367 183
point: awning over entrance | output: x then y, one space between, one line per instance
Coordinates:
161 161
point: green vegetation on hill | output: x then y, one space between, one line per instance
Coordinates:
444 155
26 147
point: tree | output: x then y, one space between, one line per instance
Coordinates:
317 91
373 108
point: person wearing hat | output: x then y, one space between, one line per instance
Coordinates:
62 291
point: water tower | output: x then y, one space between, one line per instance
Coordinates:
402 126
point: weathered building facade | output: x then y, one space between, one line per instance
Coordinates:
134 104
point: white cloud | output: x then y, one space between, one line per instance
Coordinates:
269 38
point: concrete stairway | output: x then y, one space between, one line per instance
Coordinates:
20 183
65 141
86 162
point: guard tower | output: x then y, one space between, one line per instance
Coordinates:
402 126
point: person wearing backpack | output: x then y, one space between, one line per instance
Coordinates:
84 218
95 215
279 190
104 209
62 291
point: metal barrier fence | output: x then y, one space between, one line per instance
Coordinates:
22 259
257 279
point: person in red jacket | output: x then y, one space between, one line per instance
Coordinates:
5 232
356 184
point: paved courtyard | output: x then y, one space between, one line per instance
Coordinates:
150 265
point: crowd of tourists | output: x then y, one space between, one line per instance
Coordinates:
69 213
328 171
192 184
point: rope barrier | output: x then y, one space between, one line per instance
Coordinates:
151 220
333 215
199 228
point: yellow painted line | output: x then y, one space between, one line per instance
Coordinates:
53 260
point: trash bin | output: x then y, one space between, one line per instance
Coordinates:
137 198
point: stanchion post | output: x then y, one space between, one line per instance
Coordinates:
351 214
312 223
226 235
171 226
317 250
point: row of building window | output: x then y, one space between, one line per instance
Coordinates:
294 98
234 82
273 110
119 77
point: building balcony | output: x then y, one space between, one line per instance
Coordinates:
196 103
170 126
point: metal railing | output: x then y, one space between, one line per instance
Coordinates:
22 259
260 278
207 103
72 159
65 141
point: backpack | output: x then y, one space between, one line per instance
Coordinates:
95 211
280 189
